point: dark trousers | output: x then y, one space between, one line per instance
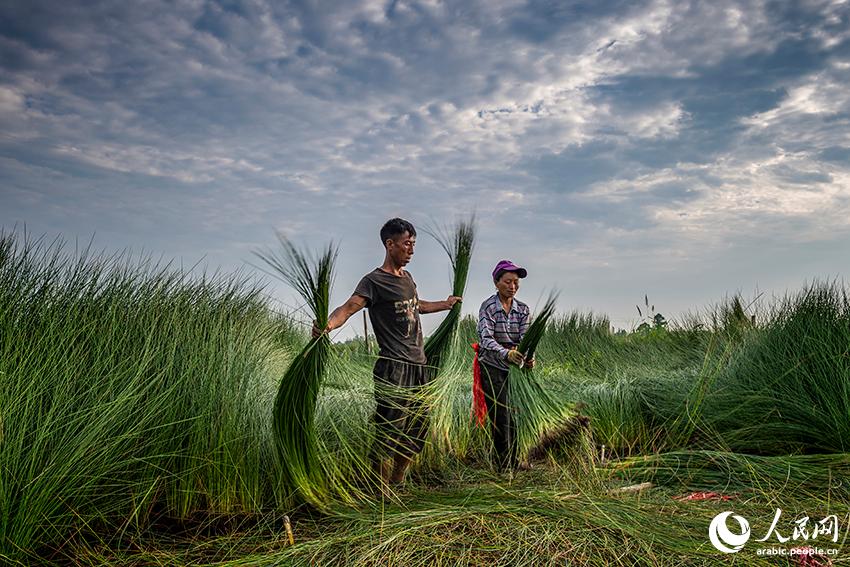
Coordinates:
401 414
494 381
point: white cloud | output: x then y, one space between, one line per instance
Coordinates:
731 198
180 166
278 113
814 113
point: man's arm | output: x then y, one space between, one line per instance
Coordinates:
341 314
436 306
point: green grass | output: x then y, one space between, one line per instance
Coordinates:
128 390
545 516
136 428
295 403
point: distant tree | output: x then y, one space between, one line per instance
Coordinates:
652 320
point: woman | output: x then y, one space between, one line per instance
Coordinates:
502 322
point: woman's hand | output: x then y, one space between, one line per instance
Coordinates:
515 357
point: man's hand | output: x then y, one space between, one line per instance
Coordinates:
317 332
515 357
437 306
529 363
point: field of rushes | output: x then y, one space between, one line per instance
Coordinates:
136 429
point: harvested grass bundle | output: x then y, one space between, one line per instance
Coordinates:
528 345
295 403
445 351
567 435
458 244
536 408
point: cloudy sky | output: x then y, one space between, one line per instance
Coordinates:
684 150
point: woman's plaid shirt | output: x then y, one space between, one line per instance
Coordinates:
498 332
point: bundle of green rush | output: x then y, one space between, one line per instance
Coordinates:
458 245
295 404
447 358
536 408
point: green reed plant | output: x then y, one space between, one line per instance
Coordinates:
128 391
787 388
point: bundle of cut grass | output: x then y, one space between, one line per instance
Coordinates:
444 354
534 334
567 435
453 432
295 404
458 245
536 407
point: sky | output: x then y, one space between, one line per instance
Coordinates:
684 151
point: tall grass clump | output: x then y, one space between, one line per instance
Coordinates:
787 389
731 319
642 390
129 391
295 404
579 343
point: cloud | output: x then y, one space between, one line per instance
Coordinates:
611 128
814 114
176 83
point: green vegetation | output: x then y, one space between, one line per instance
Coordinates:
129 391
137 428
299 388
458 244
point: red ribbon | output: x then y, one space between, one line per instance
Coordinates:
479 402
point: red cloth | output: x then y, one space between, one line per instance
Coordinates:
806 557
479 403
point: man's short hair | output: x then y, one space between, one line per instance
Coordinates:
395 227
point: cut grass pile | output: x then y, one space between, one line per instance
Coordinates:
545 516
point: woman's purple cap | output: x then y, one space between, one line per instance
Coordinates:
507 266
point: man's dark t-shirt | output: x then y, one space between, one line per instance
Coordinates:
394 311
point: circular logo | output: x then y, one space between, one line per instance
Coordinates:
723 539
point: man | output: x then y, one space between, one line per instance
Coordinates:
394 307
502 322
